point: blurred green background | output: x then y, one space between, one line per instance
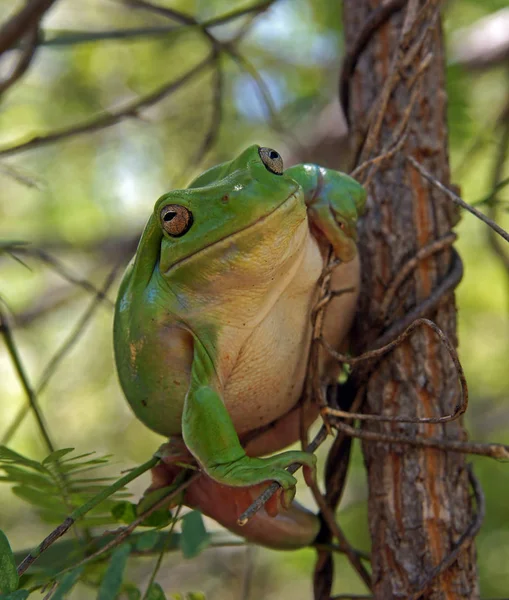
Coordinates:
85 200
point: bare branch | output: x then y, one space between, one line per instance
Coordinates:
61 269
424 252
239 12
497 451
460 408
274 487
55 38
110 118
27 54
457 200
126 531
31 395
21 22
448 284
92 503
61 353
227 47
181 17
216 117
496 182
328 515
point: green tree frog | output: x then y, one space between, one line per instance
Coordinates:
212 326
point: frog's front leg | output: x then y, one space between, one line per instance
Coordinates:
335 201
209 434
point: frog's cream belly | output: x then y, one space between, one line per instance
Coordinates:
268 376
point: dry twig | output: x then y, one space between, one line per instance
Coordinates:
460 408
21 22
274 486
457 200
110 118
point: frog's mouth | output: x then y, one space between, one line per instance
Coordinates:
288 200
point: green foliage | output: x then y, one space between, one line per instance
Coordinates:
123 512
8 575
131 592
87 198
66 584
195 537
112 582
155 592
17 595
59 483
152 539
159 518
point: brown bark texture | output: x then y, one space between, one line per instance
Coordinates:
419 499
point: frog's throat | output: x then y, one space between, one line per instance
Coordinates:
261 219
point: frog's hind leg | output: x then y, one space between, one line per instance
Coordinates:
210 435
272 526
289 529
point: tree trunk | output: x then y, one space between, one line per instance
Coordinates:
419 502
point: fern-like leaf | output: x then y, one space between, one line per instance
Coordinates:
60 483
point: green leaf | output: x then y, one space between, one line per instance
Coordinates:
162 516
159 518
8 575
42 484
124 512
20 475
57 455
68 581
155 592
152 498
147 540
195 537
8 455
110 585
34 496
17 595
131 591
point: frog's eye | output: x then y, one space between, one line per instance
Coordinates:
272 160
176 219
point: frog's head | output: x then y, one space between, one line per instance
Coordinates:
238 216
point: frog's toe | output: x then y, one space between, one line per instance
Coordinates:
301 458
281 500
286 480
287 497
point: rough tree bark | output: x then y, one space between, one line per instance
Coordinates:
419 503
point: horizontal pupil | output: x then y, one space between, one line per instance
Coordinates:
169 216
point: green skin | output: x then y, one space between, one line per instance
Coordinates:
181 310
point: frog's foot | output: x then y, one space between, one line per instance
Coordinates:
335 201
294 527
337 230
247 471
